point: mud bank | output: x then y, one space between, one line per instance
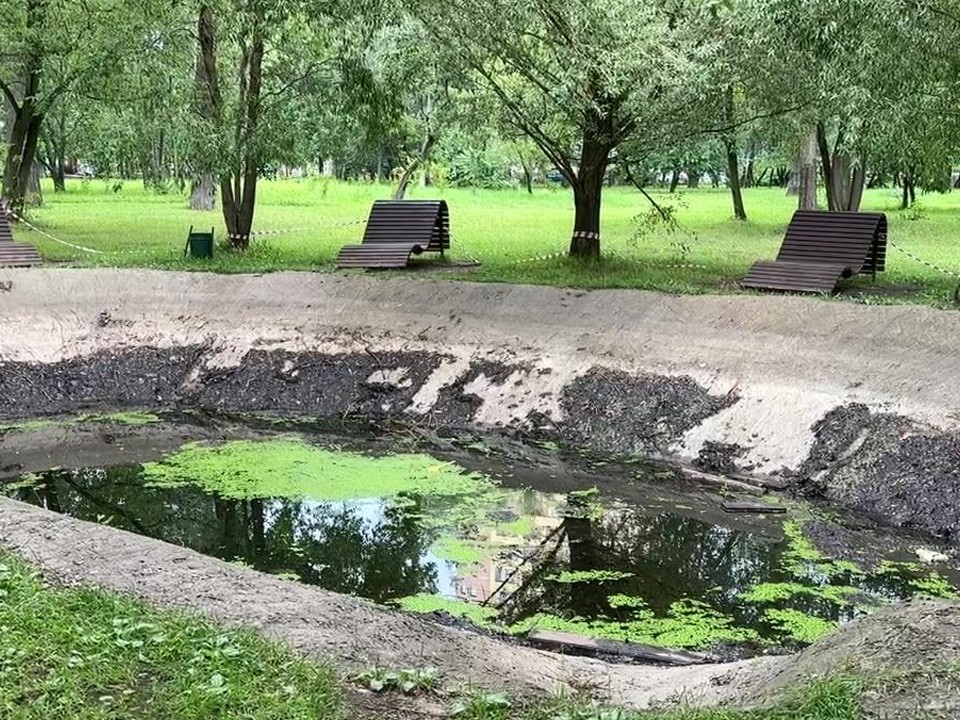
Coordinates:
855 403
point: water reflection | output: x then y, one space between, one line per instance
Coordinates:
522 552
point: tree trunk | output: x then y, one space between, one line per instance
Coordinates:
733 175
425 149
674 180
203 196
733 161
21 154
807 174
208 107
34 196
588 186
239 190
527 174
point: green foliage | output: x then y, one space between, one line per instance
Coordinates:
924 582
88 655
292 468
131 419
409 682
482 706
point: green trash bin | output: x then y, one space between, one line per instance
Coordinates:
199 244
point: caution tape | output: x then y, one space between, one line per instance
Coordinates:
284 231
47 235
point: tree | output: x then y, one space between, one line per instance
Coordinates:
52 47
579 78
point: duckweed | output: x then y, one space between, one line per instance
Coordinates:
292 468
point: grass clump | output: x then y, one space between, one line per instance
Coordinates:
837 698
88 655
293 468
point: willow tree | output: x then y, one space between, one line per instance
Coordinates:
853 66
53 47
580 77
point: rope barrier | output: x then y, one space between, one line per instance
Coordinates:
926 263
47 235
284 231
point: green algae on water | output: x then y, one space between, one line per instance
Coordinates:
841 595
129 418
799 626
293 468
479 615
460 552
588 576
688 624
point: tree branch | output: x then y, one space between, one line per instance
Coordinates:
11 98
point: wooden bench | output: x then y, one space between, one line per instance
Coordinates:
397 230
15 254
822 248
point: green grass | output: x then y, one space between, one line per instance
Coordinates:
505 230
835 699
85 654
88 655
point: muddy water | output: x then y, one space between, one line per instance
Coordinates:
637 560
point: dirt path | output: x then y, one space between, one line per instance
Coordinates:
356 635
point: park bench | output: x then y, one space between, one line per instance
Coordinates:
397 230
822 248
15 254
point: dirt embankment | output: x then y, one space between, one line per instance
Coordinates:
855 403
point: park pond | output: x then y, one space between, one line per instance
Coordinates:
624 552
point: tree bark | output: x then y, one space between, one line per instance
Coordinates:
733 173
238 191
425 149
588 189
807 174
203 196
733 161
208 104
674 180
527 173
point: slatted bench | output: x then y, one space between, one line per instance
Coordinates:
15 254
397 230
822 248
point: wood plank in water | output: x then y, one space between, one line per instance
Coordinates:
751 507
560 640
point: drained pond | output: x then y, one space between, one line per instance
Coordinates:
625 552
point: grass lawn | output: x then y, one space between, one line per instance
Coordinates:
84 654
507 231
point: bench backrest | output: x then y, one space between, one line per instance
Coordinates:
422 221
852 239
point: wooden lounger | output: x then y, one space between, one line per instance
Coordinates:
15 254
822 248
397 230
